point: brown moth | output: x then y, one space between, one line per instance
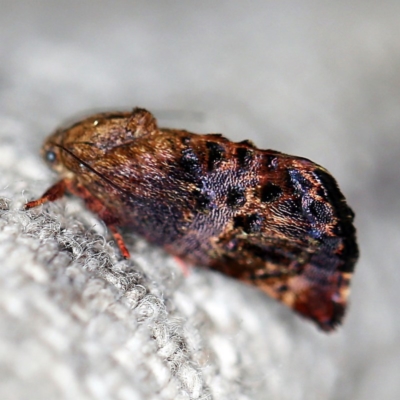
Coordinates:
273 220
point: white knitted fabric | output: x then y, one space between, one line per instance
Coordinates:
313 79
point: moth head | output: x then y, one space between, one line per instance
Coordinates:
52 153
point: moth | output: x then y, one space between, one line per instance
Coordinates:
273 220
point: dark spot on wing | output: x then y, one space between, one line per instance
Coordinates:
204 197
270 192
190 162
244 157
236 197
216 154
249 223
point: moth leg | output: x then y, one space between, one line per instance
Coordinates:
119 240
96 206
54 193
183 266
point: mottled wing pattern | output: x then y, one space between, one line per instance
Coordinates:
296 240
280 223
273 220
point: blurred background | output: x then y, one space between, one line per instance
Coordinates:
316 79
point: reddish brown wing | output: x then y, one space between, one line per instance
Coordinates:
302 247
276 221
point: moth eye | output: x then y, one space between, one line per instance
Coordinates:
51 156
